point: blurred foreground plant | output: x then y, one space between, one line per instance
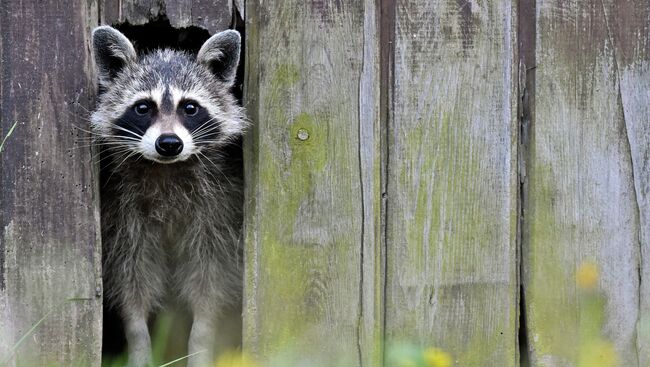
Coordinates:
412 356
593 349
235 359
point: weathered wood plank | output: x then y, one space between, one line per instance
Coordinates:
49 245
452 180
312 288
582 204
213 15
629 22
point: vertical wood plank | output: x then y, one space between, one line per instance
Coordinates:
49 245
629 22
452 180
582 203
313 281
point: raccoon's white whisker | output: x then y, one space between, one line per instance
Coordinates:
108 158
99 139
81 146
205 130
214 151
139 133
79 143
127 130
87 139
77 104
216 167
198 130
207 170
82 129
129 155
86 118
83 118
125 143
103 143
113 153
91 144
108 144
221 157
202 126
111 145
206 136
213 146
118 154
121 138
208 141
113 171
95 133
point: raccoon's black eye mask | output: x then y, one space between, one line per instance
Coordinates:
195 118
136 118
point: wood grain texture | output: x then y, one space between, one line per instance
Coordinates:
582 203
452 180
213 15
49 245
629 22
313 254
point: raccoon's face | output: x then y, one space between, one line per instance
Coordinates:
165 106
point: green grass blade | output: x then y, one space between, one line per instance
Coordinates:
11 130
14 349
181 358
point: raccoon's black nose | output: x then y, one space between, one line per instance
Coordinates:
169 145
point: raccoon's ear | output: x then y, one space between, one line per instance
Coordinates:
113 51
220 53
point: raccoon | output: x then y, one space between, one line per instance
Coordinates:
171 197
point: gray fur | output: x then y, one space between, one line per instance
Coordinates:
171 231
112 50
221 54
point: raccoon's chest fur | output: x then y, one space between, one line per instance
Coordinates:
171 200
170 205
181 216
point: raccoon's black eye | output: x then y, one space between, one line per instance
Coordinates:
142 108
191 109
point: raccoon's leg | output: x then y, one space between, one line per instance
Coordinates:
143 291
209 280
205 287
138 339
202 292
214 332
202 338
138 284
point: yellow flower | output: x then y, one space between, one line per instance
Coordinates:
437 358
235 359
587 275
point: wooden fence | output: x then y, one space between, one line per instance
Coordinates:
425 171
